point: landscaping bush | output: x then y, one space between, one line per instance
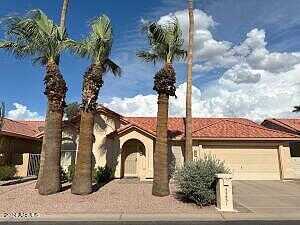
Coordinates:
103 174
196 180
7 172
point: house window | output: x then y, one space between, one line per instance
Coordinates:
295 149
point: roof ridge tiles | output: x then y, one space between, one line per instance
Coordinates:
263 128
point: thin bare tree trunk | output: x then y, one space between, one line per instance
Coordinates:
188 120
82 181
63 14
161 173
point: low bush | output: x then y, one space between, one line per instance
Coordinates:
196 180
7 172
103 174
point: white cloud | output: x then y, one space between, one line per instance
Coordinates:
210 53
272 96
242 73
257 83
21 112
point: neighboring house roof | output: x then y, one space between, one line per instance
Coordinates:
212 128
287 125
25 129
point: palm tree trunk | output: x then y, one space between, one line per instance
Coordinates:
82 181
161 173
188 121
42 160
49 174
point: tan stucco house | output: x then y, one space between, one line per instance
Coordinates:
126 144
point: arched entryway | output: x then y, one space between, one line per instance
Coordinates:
133 159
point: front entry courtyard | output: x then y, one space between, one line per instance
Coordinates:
128 196
131 196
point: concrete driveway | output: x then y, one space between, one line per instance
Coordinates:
267 196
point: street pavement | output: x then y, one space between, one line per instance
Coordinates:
245 222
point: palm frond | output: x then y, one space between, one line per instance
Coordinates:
34 35
165 42
113 67
147 56
97 45
79 48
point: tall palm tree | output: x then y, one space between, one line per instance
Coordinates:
96 47
35 35
188 118
62 26
165 45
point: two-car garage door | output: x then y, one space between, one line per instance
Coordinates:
248 163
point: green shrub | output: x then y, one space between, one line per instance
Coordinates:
102 174
7 172
71 172
196 180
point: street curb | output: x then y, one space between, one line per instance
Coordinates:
17 181
157 217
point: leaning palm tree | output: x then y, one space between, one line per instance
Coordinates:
35 35
97 48
188 118
165 42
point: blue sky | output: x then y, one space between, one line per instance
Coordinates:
225 79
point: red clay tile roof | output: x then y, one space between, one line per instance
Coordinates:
290 124
26 129
214 128
202 128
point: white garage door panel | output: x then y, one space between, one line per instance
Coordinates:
249 164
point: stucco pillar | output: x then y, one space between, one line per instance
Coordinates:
285 162
118 163
23 168
224 192
149 158
197 152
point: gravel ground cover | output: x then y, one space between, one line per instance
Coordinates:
118 196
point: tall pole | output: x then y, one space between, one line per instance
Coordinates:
63 14
188 119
